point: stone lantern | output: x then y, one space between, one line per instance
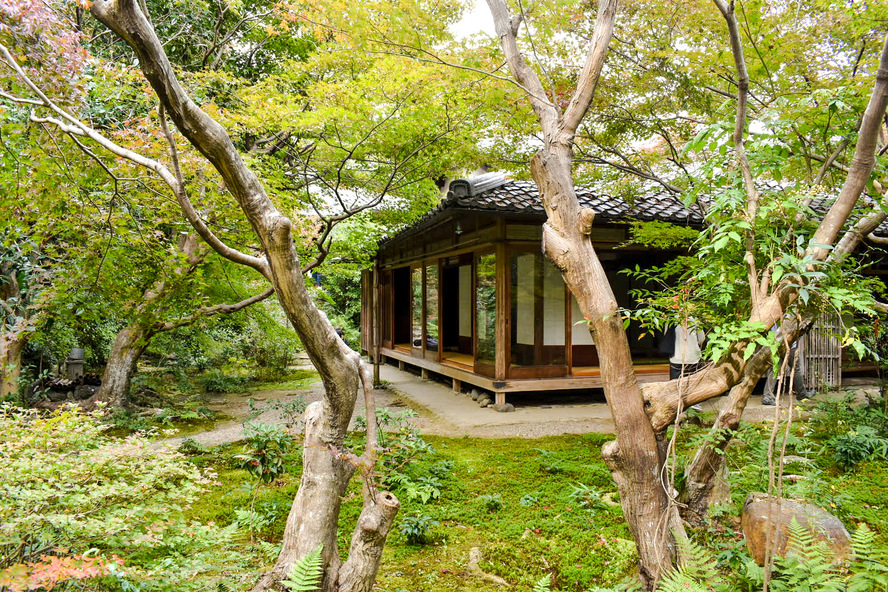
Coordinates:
75 363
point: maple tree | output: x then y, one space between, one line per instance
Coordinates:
642 413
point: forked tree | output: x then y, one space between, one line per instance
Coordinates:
146 321
642 413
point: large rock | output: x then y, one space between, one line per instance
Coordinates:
761 510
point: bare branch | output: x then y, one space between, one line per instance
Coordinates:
208 311
588 81
181 193
861 164
752 195
506 30
828 162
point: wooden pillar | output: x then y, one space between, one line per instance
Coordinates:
401 365
503 307
500 398
424 374
377 334
457 385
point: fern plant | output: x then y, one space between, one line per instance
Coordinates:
698 571
807 566
305 575
869 570
544 584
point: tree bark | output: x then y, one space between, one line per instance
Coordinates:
11 348
129 345
634 458
368 540
708 461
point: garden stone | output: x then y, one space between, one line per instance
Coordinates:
823 525
475 394
507 408
56 396
85 391
484 401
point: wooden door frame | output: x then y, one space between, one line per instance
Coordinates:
536 370
479 367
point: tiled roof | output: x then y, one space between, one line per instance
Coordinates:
492 192
523 197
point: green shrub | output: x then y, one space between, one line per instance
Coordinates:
218 380
417 530
68 491
264 451
858 445
493 502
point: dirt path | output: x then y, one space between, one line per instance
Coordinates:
269 406
439 412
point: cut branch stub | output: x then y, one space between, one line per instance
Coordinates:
368 540
587 218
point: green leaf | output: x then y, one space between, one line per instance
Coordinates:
305 575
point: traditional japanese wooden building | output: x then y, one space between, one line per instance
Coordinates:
467 293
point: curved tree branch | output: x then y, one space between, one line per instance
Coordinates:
208 311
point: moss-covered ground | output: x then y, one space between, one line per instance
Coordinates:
545 506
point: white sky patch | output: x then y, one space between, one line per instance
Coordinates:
476 20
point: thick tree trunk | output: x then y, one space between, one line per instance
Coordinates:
10 365
313 521
634 458
368 540
129 345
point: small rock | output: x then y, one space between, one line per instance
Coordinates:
484 402
475 394
823 525
507 408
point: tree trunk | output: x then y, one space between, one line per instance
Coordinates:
634 458
314 516
10 365
129 345
708 462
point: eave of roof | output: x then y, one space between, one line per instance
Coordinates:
522 198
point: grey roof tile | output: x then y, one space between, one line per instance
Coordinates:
522 197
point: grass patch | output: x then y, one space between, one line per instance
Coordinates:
300 378
540 528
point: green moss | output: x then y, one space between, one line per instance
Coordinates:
541 527
301 378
